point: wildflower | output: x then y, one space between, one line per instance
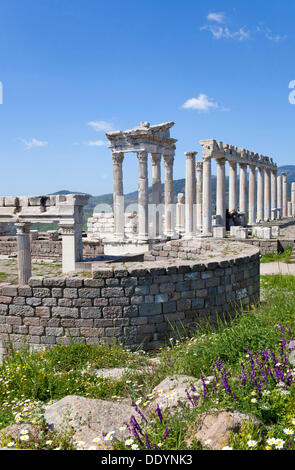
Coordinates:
251 443
271 441
227 448
48 443
253 400
96 439
11 444
24 431
288 431
122 428
134 447
25 437
129 442
207 442
279 443
92 448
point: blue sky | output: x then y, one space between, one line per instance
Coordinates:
72 68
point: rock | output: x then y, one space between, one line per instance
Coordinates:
215 428
89 418
118 373
173 389
13 432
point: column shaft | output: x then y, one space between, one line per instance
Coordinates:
68 248
285 195
243 189
143 223
199 194
207 197
220 191
169 195
260 195
232 186
280 195
293 199
267 198
190 189
156 194
274 202
252 195
119 216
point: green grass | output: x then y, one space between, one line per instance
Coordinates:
283 257
66 370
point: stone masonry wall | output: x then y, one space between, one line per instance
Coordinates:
50 249
135 305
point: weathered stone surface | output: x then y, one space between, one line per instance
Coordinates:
173 389
215 427
89 418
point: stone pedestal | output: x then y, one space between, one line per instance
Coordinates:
207 197
232 186
143 225
252 195
190 190
220 191
199 195
23 252
169 206
118 195
260 195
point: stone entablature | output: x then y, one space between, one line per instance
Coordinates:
133 303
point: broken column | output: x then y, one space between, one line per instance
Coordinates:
68 247
190 189
199 193
252 195
285 195
180 214
23 252
143 227
118 195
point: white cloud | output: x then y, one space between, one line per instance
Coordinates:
95 143
33 143
202 103
269 34
223 32
101 126
218 17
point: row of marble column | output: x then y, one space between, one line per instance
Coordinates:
261 197
143 196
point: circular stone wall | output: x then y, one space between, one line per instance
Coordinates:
138 304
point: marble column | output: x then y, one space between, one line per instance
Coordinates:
68 247
280 195
220 191
243 189
23 252
232 186
169 195
267 197
285 195
199 193
252 195
207 197
260 194
293 199
156 193
119 216
180 214
274 202
143 223
190 190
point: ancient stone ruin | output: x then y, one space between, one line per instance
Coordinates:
135 276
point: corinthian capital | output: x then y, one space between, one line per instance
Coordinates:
118 158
